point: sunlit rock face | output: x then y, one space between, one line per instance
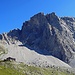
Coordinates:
47 35
50 35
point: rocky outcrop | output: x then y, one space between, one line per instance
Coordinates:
53 20
14 34
47 34
0 37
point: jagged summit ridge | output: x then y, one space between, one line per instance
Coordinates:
45 32
47 35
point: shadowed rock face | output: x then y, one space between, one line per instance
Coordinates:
0 37
48 34
14 34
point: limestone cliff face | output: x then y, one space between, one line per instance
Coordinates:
48 34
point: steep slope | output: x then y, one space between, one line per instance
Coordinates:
50 35
30 57
46 35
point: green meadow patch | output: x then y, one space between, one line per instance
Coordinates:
13 68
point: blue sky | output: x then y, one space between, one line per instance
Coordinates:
14 12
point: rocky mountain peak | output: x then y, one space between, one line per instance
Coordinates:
47 35
52 15
53 20
14 34
72 19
